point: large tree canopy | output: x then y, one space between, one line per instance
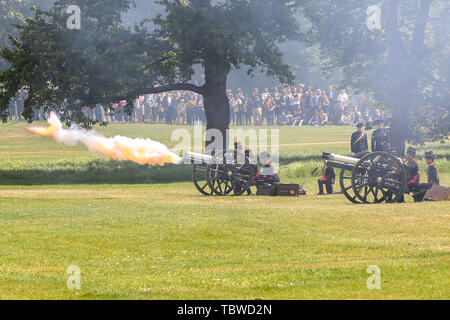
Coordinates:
405 63
13 12
105 62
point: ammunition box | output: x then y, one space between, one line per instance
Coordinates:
266 189
287 189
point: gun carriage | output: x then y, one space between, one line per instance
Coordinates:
233 173
229 173
370 177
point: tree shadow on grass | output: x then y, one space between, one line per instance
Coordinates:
97 172
101 171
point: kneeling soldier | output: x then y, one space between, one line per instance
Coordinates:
412 170
328 178
432 175
412 173
267 173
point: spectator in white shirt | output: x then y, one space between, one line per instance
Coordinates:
343 98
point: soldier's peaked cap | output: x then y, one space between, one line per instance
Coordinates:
412 151
429 154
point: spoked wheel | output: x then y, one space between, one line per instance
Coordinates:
345 181
379 177
230 174
200 180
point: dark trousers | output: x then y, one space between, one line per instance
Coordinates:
190 113
417 192
170 115
270 118
248 119
328 185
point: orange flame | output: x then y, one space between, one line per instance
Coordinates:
43 131
142 151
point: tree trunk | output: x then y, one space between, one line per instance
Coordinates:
395 71
400 125
217 107
402 70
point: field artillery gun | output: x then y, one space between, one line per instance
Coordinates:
229 173
370 177
233 173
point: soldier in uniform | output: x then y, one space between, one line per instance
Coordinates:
380 138
412 170
412 173
267 173
239 152
327 179
432 175
359 140
432 171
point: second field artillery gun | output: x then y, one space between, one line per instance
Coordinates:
370 177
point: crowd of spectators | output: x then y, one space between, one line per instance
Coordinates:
289 106
297 106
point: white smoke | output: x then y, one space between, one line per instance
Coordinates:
142 151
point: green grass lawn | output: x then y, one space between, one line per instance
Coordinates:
145 233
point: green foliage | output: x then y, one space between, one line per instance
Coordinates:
77 68
405 64
105 62
12 12
238 32
346 43
430 124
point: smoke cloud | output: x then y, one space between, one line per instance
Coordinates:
142 151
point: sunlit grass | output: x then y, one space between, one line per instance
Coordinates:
135 237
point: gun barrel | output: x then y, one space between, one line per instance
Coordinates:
341 159
197 158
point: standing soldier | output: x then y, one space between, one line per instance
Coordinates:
359 140
380 138
432 171
328 178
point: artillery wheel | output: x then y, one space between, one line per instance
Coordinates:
230 174
379 177
345 181
200 180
